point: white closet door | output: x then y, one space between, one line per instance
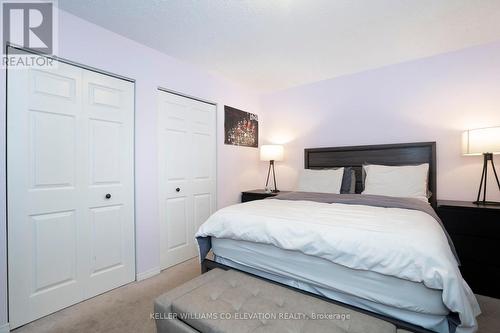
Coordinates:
187 167
44 189
66 241
108 104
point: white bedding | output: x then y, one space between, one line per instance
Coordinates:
403 243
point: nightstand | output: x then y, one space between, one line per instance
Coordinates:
475 231
257 195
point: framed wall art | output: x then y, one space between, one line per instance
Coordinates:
240 128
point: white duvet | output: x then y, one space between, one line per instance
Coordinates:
404 243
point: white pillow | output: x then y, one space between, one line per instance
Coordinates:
408 181
323 181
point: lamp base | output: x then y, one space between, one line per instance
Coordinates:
484 181
486 203
271 166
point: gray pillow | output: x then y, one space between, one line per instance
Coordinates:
353 182
348 181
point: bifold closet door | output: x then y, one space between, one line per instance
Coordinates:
187 173
70 188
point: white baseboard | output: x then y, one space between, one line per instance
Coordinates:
5 328
145 275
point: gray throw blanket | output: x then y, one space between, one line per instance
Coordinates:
369 200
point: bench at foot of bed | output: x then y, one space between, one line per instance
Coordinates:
231 301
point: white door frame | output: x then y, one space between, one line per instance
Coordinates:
93 69
73 63
217 105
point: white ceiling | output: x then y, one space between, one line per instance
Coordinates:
275 44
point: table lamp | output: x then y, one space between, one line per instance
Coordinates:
271 153
486 142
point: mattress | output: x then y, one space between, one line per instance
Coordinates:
373 291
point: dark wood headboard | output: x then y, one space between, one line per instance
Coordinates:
391 154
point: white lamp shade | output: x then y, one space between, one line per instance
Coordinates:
271 153
481 140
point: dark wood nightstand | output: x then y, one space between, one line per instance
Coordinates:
475 231
257 195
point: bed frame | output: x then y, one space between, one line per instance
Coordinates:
355 157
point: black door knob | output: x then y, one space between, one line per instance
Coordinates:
177 190
108 196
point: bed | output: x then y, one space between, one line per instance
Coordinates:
279 254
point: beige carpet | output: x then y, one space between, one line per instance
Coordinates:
127 309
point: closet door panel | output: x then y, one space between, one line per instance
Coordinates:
176 220
52 149
106 239
203 208
43 163
109 206
187 173
55 246
204 168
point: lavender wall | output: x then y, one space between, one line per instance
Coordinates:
91 45
431 99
